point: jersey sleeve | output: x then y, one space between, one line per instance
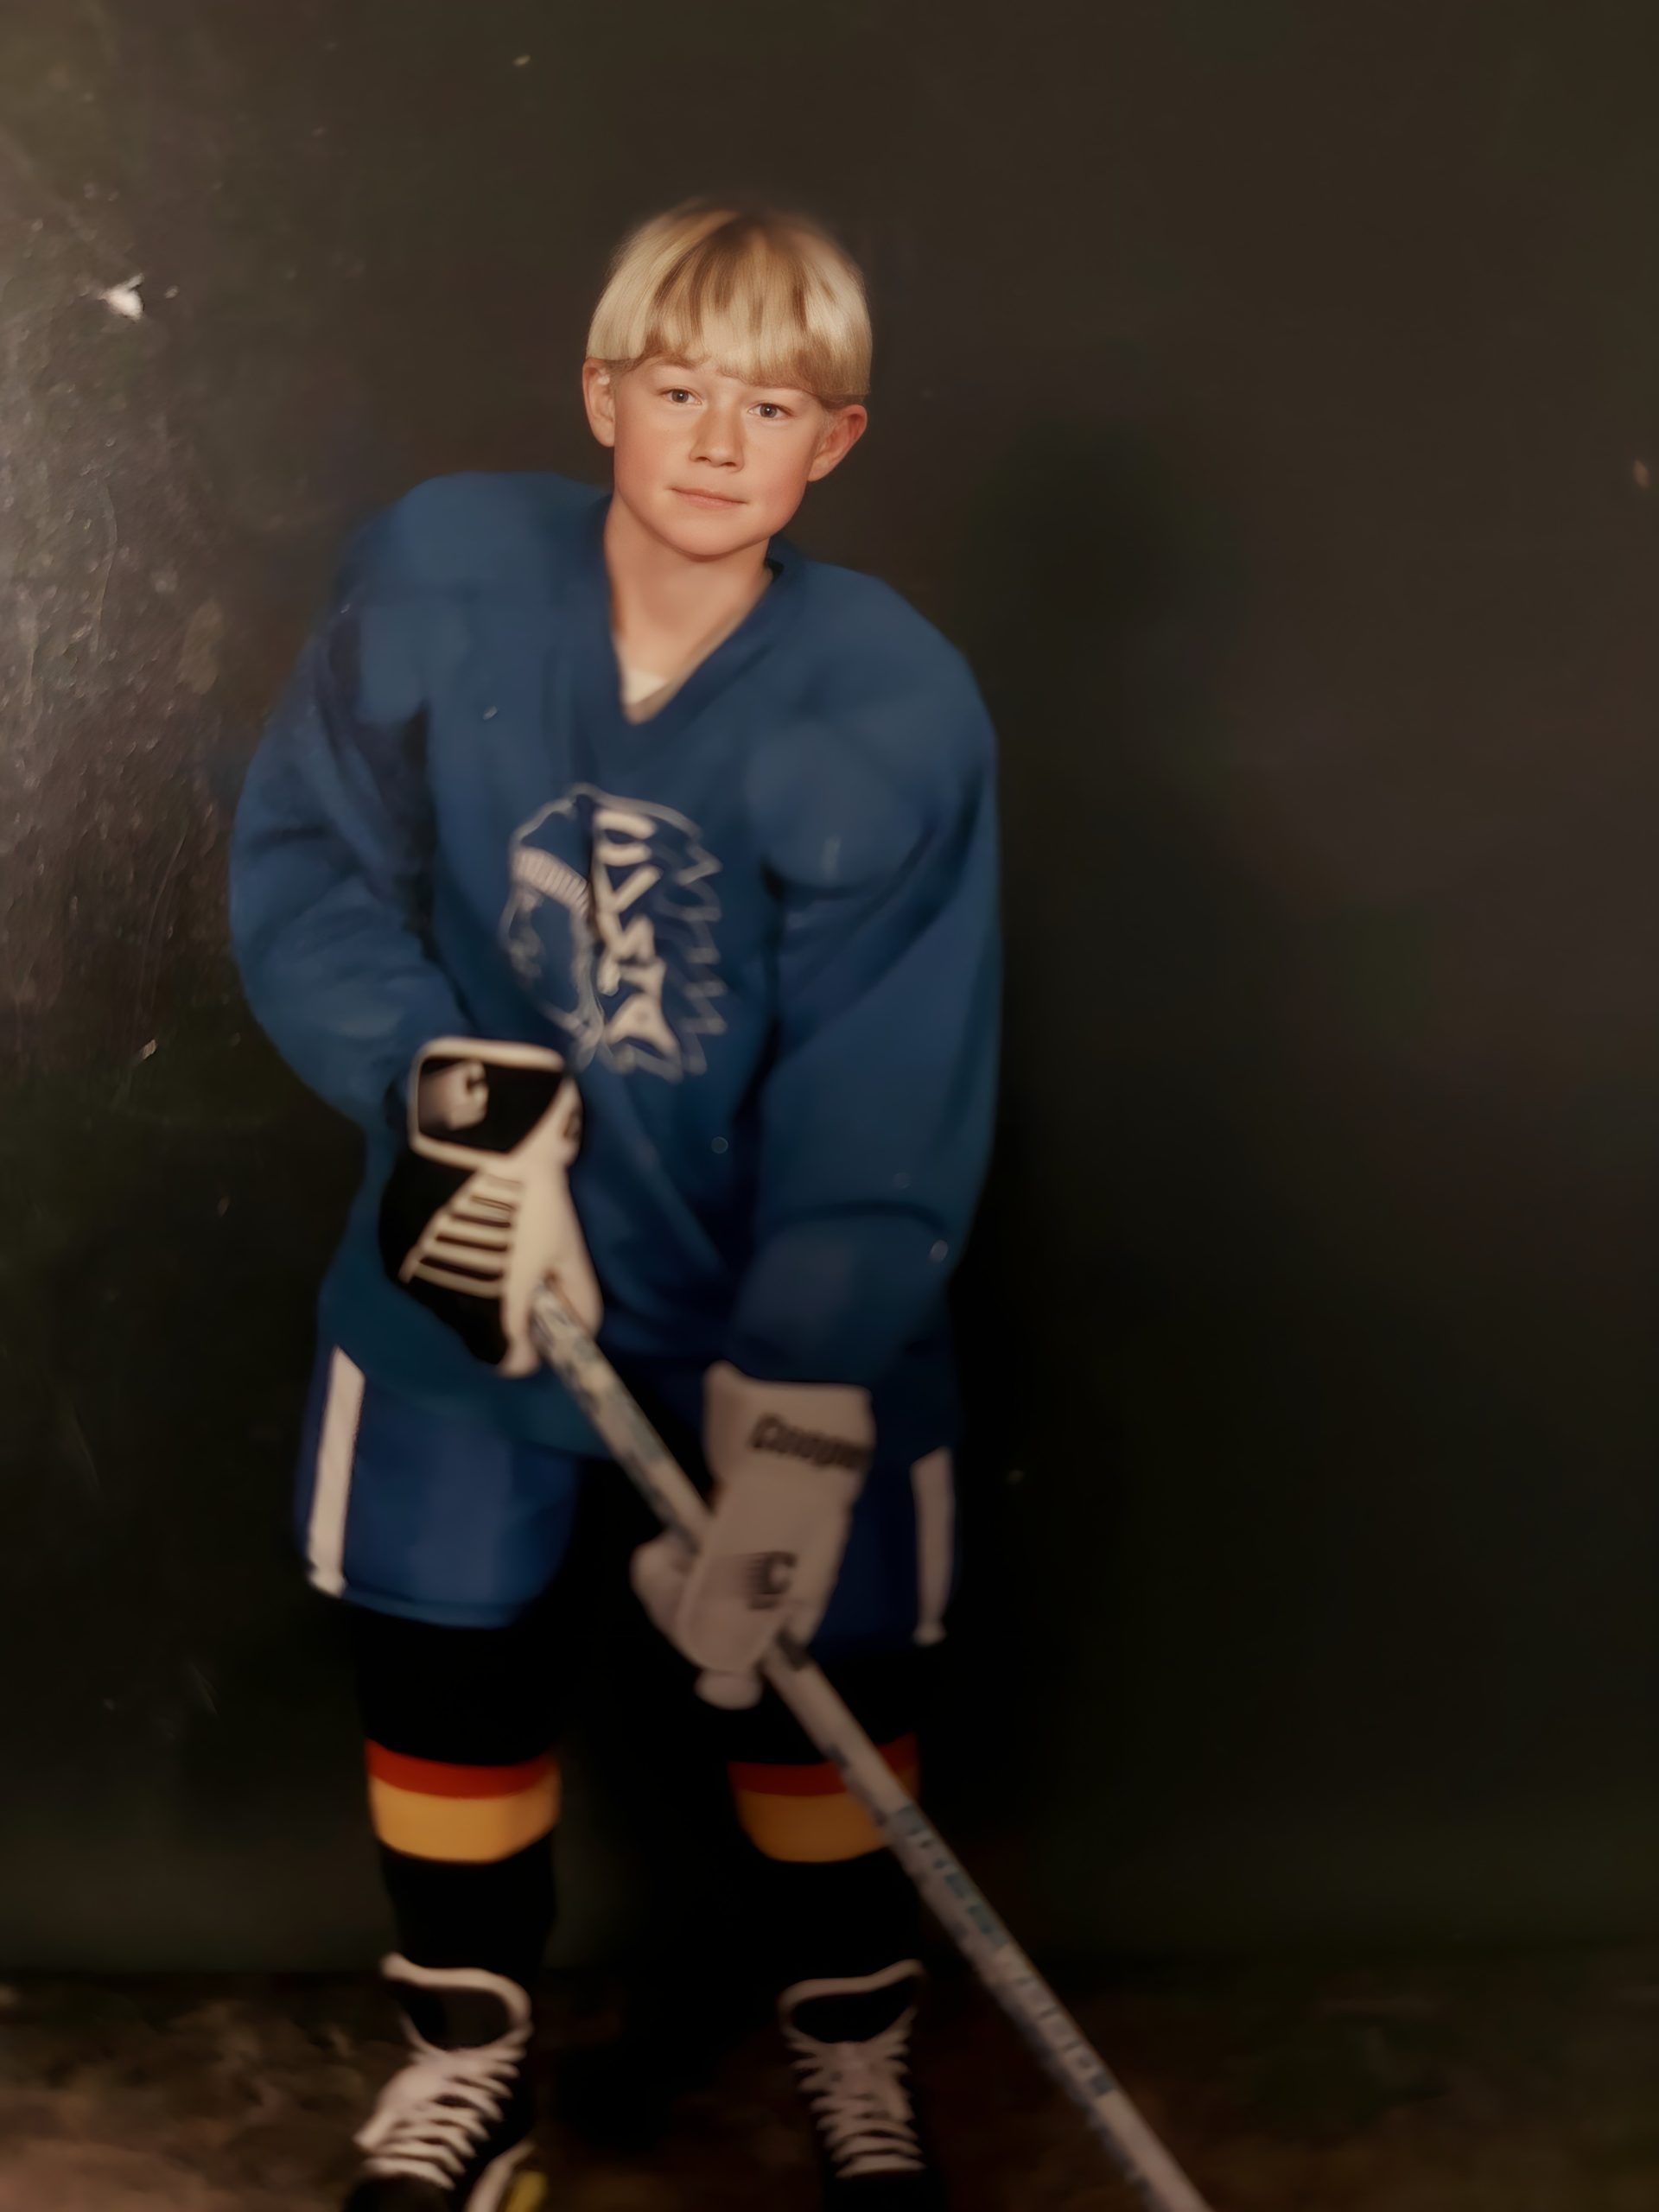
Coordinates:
331 858
877 1110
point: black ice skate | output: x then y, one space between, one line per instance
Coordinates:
451 2131
849 2042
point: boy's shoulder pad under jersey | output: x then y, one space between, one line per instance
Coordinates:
869 630
501 532
879 673
860 647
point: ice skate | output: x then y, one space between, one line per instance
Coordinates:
452 2130
850 2043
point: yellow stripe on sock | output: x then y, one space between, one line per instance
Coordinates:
469 1830
801 1820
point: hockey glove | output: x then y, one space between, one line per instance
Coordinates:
788 1461
477 1212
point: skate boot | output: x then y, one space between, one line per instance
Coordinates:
452 2130
850 2043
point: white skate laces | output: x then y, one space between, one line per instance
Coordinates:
858 2091
437 2112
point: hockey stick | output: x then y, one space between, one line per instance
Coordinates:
944 1882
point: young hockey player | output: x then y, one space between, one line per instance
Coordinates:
630 879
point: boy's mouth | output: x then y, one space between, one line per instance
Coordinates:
708 499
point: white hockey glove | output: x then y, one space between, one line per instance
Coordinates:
477 1212
788 1461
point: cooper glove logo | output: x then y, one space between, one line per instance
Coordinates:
454 1098
818 1450
771 1574
759 1582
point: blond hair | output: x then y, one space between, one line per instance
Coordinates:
767 297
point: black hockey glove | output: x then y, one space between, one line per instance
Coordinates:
477 1213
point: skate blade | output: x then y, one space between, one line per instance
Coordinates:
527 2193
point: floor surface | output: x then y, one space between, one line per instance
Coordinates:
1513 2085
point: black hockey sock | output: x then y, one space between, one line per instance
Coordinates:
496 1913
830 1902
834 1921
463 1792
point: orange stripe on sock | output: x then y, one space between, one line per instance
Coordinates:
437 1778
821 1781
793 1814
495 1813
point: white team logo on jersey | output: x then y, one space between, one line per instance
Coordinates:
610 927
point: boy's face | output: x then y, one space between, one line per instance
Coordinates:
708 464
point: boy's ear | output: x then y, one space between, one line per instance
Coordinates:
599 398
842 432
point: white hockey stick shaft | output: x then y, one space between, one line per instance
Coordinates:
944 1882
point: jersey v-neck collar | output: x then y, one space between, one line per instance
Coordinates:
598 674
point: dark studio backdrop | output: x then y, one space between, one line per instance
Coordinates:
1269 404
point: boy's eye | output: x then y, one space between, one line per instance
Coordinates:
773 411
677 392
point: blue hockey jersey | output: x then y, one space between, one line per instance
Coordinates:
761 927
